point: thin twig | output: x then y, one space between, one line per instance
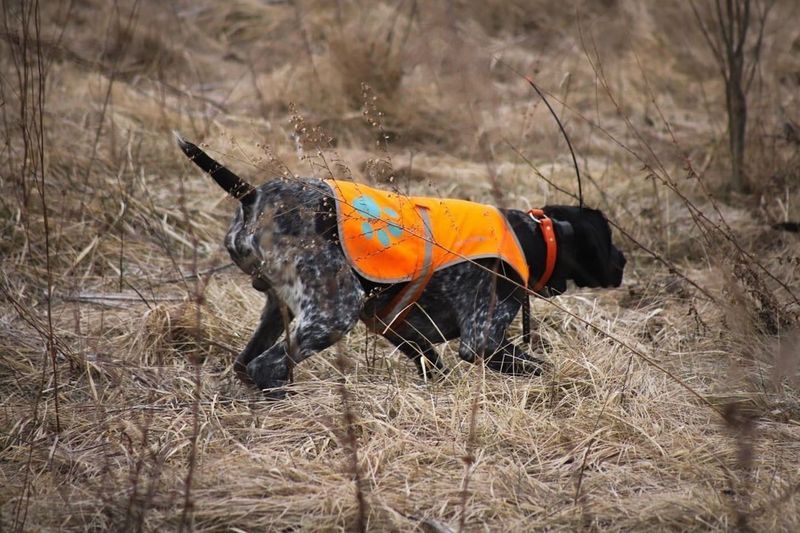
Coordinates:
351 442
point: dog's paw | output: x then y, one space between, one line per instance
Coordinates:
241 372
274 394
271 377
517 365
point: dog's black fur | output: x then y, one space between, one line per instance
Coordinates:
284 235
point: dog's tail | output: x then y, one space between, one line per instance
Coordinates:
233 184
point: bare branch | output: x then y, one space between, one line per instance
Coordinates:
744 23
762 23
707 35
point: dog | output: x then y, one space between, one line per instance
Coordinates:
288 235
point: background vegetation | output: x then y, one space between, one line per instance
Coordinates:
672 402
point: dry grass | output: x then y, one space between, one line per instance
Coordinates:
672 403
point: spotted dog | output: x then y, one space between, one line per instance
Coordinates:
285 236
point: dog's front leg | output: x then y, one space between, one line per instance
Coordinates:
510 358
501 356
483 333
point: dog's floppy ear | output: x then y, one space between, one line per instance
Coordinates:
593 260
233 184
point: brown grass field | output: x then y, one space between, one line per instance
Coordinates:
671 403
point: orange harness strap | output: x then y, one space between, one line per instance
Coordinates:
549 236
551 252
400 306
398 309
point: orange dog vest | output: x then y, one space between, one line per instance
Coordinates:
390 238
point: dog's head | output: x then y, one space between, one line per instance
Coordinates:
589 258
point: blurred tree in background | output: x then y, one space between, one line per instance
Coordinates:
734 31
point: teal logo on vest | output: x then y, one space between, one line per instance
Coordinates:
369 208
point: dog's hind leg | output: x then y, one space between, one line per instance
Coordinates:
326 298
307 336
269 329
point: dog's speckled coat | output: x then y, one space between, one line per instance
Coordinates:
284 235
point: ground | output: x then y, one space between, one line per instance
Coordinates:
670 403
